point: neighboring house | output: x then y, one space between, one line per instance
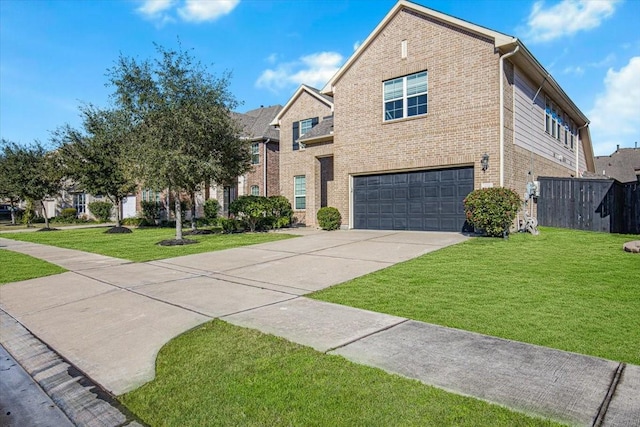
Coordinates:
306 152
396 139
70 197
623 165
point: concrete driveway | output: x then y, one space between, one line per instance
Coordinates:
110 318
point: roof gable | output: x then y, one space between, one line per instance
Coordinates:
324 98
256 123
499 39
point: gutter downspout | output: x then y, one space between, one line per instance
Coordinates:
502 58
264 169
577 148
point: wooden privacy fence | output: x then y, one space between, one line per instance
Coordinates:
589 204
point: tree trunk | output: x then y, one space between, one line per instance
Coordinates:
193 211
13 214
44 212
118 211
178 212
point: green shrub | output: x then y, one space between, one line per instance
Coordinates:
329 218
132 221
211 210
101 210
29 213
230 225
150 211
251 210
281 212
68 214
492 209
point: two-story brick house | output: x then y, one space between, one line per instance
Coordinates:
397 138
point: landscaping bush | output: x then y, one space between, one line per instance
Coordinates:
230 225
281 212
68 214
101 210
132 221
252 210
329 218
211 210
29 214
150 211
492 210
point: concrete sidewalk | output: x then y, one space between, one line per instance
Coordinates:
110 317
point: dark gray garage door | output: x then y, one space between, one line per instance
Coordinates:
428 200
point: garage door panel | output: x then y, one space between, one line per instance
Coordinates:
419 200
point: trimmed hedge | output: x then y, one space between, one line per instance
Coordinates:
101 210
492 210
329 218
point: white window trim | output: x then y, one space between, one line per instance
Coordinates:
257 192
297 195
309 122
404 98
255 145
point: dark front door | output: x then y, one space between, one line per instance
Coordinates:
428 200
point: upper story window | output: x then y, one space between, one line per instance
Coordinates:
405 96
300 128
255 153
150 195
558 125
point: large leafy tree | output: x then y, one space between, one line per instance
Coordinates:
185 135
96 158
8 187
31 172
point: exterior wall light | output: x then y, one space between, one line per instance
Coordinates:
485 162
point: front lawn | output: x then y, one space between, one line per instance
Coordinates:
15 267
224 375
141 245
566 289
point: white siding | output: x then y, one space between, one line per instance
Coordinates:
529 126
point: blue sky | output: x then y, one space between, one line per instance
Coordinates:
54 54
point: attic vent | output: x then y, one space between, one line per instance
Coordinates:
403 49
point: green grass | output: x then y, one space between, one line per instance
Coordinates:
223 375
15 267
566 289
141 245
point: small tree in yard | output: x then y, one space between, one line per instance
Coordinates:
185 135
211 210
97 159
281 211
492 210
32 172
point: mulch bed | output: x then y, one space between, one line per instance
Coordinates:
174 242
118 230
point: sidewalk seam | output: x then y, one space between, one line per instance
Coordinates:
613 385
386 328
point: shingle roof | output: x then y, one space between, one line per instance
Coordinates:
256 122
324 128
621 165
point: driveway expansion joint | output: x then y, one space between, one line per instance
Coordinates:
599 419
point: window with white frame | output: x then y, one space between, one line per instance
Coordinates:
255 153
405 96
300 192
255 190
305 126
149 195
80 203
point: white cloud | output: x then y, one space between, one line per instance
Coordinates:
615 117
577 70
206 10
163 11
314 70
567 18
153 8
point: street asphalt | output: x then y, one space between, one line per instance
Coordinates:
108 318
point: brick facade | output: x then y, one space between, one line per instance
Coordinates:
269 153
303 161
